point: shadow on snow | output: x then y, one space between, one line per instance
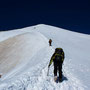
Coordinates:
63 79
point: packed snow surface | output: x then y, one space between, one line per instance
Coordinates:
25 54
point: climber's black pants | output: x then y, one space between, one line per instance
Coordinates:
50 44
58 67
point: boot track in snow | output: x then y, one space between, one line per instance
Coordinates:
36 78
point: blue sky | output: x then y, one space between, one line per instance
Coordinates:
71 15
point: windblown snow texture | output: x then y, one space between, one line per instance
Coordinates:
25 55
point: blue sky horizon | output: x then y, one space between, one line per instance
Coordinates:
70 15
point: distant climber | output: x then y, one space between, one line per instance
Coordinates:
0 75
50 42
57 59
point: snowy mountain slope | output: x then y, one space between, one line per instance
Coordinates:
32 73
77 50
17 49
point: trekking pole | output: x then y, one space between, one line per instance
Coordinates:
48 71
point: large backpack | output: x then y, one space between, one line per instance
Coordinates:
58 55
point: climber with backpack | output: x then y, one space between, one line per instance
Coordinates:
50 42
57 59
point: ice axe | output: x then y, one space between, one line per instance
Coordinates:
48 71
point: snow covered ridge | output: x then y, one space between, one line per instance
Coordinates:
25 54
17 49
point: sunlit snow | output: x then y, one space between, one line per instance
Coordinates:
25 54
